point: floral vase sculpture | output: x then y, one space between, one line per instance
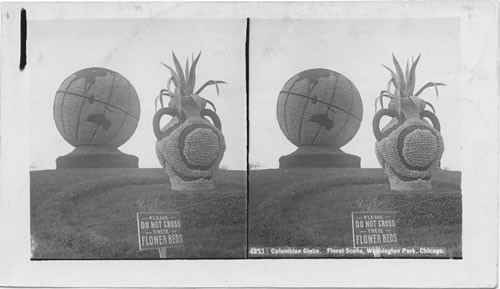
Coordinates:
409 148
189 147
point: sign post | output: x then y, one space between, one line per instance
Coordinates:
374 229
163 252
159 231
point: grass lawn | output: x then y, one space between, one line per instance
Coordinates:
312 208
91 214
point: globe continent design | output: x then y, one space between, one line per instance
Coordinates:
96 106
319 107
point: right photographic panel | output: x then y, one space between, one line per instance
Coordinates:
354 142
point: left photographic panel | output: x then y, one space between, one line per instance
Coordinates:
139 148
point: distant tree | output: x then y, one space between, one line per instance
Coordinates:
254 165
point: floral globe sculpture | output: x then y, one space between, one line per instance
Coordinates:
189 147
408 148
96 110
319 110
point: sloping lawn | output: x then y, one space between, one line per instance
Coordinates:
312 208
91 214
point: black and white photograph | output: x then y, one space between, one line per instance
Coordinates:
341 144
362 157
139 145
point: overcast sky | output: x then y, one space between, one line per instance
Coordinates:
134 48
355 48
278 50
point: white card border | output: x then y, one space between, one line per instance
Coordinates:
479 51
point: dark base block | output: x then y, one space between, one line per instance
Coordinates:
319 156
96 157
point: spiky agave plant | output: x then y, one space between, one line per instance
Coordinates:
184 83
404 85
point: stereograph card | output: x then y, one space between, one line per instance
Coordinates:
245 144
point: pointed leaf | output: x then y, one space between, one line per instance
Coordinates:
212 104
169 82
166 92
380 99
175 77
197 99
429 84
187 72
178 101
394 78
180 73
159 98
429 104
208 83
192 74
217 88
407 73
389 84
386 92
397 100
400 76
411 83
156 102
415 100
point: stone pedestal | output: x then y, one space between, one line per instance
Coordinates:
96 156
319 156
